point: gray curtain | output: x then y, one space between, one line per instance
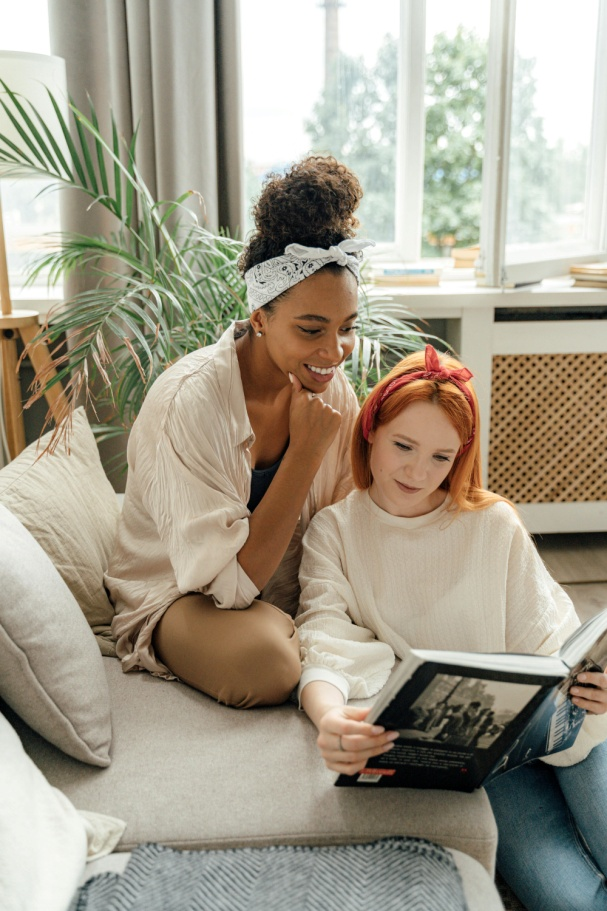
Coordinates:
170 68
173 67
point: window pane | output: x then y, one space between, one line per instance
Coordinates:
25 27
29 212
551 123
456 81
323 82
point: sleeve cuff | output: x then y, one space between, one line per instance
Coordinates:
309 674
243 591
246 591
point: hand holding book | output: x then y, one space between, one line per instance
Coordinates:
590 692
349 752
345 739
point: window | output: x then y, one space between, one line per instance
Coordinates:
544 193
320 82
460 118
396 93
30 210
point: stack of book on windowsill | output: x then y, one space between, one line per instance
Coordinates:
589 275
385 274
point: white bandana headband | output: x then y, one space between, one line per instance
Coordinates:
267 280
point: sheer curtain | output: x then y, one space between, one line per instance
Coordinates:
172 69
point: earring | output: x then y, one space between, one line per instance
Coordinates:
259 334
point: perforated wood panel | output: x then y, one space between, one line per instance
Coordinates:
548 435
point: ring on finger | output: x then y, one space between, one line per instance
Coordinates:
340 744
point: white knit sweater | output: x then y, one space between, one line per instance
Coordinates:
374 584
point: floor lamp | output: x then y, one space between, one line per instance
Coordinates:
28 75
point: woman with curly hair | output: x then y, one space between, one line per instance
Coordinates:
236 447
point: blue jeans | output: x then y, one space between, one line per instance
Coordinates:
552 833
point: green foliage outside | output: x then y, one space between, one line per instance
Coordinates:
456 89
545 180
355 120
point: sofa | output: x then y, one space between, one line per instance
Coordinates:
176 767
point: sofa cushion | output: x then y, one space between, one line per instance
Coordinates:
65 500
190 773
51 671
43 841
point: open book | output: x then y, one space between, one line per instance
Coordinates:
465 717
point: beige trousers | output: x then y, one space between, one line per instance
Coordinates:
242 658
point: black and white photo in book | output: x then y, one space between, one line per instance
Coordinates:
465 711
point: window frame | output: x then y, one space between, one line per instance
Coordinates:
503 265
411 134
411 139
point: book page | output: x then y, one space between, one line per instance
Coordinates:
587 643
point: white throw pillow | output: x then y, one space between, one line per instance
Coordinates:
43 840
66 501
51 670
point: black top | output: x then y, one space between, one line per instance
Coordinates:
261 478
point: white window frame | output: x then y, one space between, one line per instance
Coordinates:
501 265
411 133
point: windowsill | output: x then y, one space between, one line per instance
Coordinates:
457 293
466 294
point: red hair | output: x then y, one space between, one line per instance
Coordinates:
458 402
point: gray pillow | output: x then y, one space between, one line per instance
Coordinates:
51 670
67 503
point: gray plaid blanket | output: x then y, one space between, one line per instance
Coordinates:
391 874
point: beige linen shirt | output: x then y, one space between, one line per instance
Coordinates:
185 514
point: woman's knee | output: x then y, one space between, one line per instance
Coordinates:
243 658
265 663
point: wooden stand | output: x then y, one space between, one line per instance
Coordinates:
23 324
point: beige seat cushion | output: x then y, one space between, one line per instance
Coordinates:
51 672
65 500
190 773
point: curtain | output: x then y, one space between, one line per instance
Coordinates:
171 70
173 67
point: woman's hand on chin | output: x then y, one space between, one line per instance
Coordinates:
313 424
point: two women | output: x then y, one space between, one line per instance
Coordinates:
240 444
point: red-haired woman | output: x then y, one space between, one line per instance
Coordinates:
422 555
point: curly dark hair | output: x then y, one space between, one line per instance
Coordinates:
313 204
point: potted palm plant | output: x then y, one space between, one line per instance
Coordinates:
163 285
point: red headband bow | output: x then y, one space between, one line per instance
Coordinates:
434 371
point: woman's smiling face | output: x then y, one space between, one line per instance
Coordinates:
312 329
410 458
